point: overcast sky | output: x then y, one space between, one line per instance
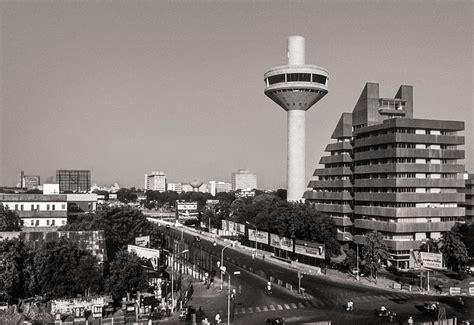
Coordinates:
126 88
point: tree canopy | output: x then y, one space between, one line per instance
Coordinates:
120 224
62 269
454 251
125 275
374 253
9 220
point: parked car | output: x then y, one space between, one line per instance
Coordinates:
274 321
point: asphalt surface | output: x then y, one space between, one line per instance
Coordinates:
325 299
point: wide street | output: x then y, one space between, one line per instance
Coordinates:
325 296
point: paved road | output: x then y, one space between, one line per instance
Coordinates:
327 296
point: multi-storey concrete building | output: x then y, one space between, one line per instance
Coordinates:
156 181
37 210
73 180
243 180
175 187
396 174
469 198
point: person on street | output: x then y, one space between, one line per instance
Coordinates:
350 305
410 320
218 318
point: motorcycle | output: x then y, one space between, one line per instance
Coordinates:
384 313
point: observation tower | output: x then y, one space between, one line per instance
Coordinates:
296 87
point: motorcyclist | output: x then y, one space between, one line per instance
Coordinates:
350 306
269 287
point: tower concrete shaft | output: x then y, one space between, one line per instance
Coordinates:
296 87
295 173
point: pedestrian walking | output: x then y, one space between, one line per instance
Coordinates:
263 257
240 288
410 320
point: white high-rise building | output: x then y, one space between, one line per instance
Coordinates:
243 180
156 181
175 187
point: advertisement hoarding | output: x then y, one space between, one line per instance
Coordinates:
425 260
313 250
143 241
240 228
152 254
281 242
262 236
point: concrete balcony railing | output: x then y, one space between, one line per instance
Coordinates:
409 153
333 208
409 168
409 197
335 159
344 236
330 184
410 138
393 244
339 146
409 212
342 221
404 227
335 196
409 182
338 171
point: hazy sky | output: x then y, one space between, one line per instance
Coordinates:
125 88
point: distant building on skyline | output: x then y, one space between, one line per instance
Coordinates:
175 187
71 180
29 181
156 181
223 187
468 190
243 180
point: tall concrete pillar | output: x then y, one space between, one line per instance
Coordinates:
296 155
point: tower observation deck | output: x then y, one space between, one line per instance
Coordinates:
296 87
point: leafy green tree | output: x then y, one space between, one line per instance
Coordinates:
14 270
454 251
62 269
9 220
431 246
126 275
120 224
466 233
374 253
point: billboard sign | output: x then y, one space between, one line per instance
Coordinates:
425 260
281 242
232 227
313 250
151 254
240 228
261 236
143 241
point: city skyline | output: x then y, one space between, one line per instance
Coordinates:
121 89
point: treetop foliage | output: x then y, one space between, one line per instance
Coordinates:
9 220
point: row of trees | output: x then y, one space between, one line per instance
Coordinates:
274 214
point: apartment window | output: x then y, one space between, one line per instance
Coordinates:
52 222
47 207
37 207
47 222
37 223
16 207
22 207
63 222
63 206
32 207
53 207
32 223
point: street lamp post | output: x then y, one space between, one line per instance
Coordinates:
222 257
251 224
223 270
